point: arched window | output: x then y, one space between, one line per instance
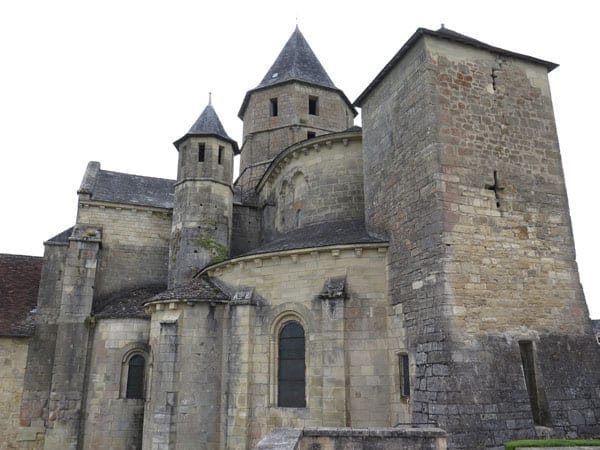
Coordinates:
136 367
291 377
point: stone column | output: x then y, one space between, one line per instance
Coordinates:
159 420
239 368
199 383
334 358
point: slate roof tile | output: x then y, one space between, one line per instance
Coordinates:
62 237
199 289
126 304
320 235
208 124
19 284
296 62
116 187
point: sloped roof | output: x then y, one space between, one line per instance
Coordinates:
450 35
116 187
208 124
126 304
320 235
19 283
62 237
199 289
296 62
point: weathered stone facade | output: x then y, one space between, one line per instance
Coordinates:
486 269
361 286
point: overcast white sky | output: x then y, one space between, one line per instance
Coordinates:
119 81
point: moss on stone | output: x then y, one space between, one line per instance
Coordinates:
90 321
218 251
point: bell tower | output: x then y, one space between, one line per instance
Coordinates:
201 231
296 100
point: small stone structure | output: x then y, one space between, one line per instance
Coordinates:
354 438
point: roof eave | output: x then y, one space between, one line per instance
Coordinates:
463 40
262 88
236 149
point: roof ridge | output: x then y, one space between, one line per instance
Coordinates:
20 256
136 175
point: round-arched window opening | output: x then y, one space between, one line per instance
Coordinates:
135 376
291 374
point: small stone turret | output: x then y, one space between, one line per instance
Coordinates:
201 230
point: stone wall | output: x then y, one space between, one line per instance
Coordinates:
13 357
349 369
320 182
246 229
401 172
111 420
201 231
190 167
516 251
135 245
511 265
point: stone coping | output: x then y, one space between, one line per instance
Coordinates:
257 259
289 438
374 432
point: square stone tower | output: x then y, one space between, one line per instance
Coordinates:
463 173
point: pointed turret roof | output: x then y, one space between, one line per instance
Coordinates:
208 124
296 62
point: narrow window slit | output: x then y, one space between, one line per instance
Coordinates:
201 151
313 105
404 375
273 107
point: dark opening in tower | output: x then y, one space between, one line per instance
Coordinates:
539 409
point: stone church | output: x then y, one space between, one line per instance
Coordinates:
416 272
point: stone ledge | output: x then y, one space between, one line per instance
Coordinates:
292 438
373 432
280 439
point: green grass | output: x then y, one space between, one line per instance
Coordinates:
512 445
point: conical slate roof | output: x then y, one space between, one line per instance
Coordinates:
208 124
297 62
